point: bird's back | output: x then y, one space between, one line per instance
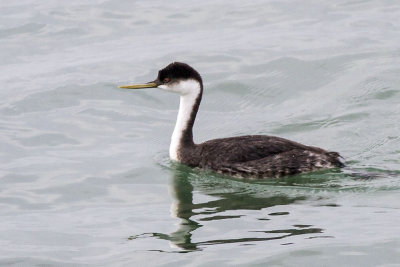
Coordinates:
260 156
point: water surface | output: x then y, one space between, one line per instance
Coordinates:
85 177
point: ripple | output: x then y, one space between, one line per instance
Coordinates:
29 28
49 139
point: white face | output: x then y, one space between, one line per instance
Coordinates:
182 87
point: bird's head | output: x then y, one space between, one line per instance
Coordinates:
177 77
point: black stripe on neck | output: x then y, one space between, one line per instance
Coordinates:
187 134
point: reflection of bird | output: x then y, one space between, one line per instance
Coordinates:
257 156
228 205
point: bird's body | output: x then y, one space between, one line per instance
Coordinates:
250 156
257 156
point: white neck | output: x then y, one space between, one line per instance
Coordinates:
189 91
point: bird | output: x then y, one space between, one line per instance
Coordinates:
250 156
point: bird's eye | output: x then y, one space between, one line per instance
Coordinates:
166 80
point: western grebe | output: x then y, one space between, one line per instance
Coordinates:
252 156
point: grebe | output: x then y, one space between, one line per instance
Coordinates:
250 156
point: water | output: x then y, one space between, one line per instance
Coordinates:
85 175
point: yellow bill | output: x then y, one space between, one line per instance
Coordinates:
139 86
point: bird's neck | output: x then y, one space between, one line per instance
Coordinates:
182 137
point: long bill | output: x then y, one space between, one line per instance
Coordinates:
139 86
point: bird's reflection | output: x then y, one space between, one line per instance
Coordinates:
182 208
202 198
227 195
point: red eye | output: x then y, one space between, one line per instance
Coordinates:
166 80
